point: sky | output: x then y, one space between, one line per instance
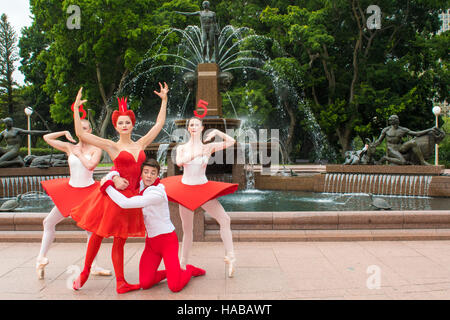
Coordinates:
18 12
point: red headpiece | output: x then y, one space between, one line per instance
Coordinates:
123 111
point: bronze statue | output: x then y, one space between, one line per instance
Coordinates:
224 80
363 156
53 160
412 151
9 156
354 157
210 31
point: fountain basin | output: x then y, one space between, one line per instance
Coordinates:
392 183
277 200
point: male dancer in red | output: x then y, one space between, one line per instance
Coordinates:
161 242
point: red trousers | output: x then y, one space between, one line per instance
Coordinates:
164 246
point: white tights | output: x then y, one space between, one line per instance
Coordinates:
50 222
215 210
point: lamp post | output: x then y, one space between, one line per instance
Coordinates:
437 112
29 111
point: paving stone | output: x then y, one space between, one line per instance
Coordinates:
265 271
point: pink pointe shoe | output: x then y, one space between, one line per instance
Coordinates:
41 262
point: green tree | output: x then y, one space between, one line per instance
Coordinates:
8 55
349 68
33 48
113 37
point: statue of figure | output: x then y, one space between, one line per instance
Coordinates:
363 156
210 31
354 157
409 152
54 160
9 157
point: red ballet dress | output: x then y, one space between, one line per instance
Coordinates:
102 216
67 193
192 189
64 196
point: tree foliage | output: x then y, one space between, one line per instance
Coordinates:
351 77
8 55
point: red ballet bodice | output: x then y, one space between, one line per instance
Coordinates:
99 214
129 168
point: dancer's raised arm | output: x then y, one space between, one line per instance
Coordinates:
160 120
89 138
52 140
227 142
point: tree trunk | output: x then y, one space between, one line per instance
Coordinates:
108 110
344 139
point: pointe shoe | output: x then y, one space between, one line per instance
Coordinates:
99 271
230 260
40 267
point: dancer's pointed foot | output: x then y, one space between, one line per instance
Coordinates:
196 272
99 271
230 260
124 287
80 281
41 262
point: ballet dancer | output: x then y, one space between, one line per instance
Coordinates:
161 241
193 190
66 193
98 213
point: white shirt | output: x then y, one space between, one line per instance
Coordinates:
154 204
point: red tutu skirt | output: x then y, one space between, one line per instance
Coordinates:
102 216
64 196
193 196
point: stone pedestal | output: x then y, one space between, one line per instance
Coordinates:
208 89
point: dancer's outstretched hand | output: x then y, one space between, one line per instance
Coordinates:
78 101
69 137
164 90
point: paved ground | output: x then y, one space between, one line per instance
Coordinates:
275 270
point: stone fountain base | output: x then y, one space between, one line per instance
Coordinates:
379 179
14 181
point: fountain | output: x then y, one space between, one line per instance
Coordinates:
273 196
207 80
